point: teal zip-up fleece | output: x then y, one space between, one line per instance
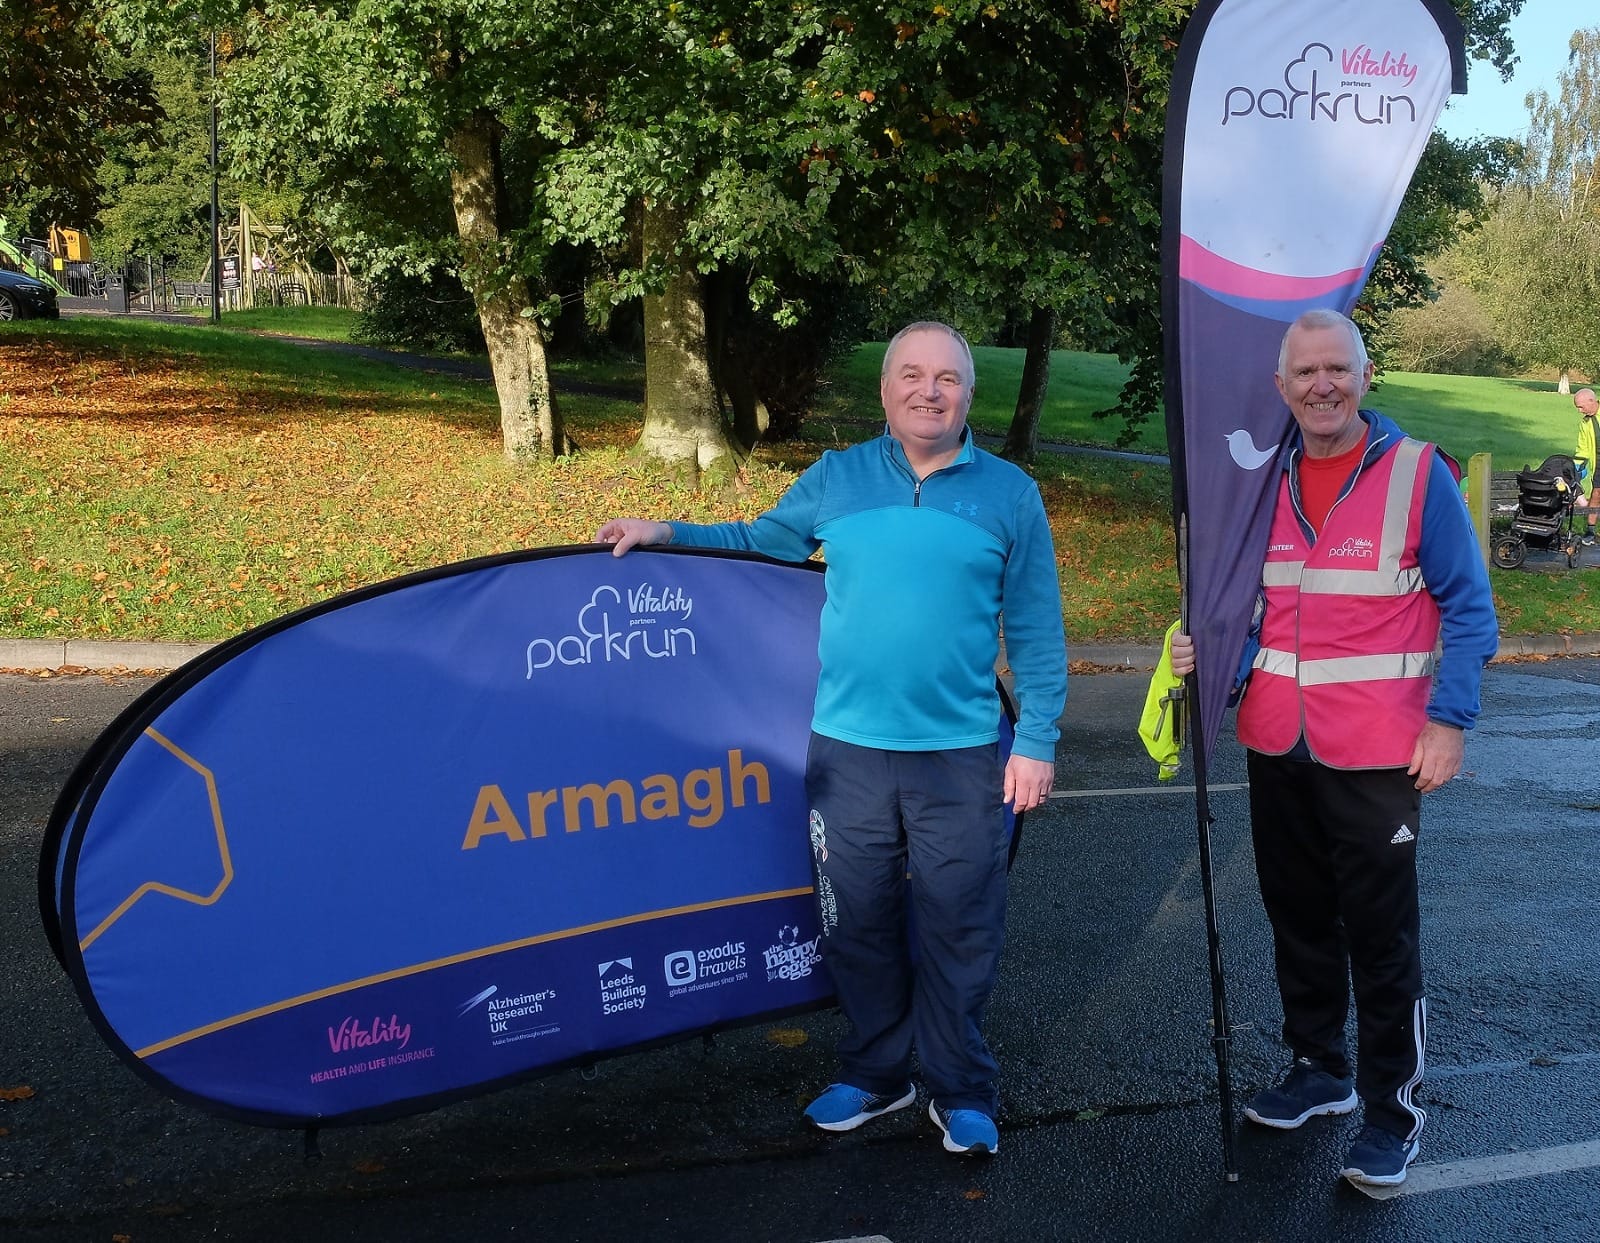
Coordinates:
917 576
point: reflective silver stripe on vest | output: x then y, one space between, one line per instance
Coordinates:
1337 669
1386 578
1275 660
1282 573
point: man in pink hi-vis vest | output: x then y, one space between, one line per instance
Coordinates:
1362 676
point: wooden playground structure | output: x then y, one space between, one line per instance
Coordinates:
260 266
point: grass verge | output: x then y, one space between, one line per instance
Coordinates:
174 482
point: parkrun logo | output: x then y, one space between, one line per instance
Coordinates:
640 625
1354 546
1308 93
704 792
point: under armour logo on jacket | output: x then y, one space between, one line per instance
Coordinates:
964 508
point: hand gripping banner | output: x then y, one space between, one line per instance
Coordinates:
1292 134
480 822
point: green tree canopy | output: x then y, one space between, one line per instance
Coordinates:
59 96
1536 264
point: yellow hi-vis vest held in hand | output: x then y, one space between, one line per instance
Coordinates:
1161 723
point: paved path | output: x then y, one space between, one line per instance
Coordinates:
1111 1128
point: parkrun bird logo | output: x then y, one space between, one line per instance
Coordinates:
1242 449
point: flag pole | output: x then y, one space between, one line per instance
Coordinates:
1221 1032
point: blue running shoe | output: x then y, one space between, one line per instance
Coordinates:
1306 1091
1379 1157
966 1131
843 1108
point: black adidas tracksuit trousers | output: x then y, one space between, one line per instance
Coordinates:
1336 855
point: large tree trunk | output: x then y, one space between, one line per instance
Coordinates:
530 421
733 371
682 424
1022 437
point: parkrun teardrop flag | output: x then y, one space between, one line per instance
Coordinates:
1292 133
479 822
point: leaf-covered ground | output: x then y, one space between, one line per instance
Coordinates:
184 484
159 493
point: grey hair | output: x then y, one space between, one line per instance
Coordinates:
930 325
1323 317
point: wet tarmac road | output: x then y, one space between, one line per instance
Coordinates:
1101 1023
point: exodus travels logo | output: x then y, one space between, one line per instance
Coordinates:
619 989
1319 86
523 1016
644 622
691 971
1353 546
791 958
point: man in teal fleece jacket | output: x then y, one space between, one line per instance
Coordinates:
929 542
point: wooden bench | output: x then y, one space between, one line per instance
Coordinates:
191 293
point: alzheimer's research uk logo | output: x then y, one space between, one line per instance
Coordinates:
1319 86
643 622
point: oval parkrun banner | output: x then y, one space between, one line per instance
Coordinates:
480 822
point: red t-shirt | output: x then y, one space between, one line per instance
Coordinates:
1321 481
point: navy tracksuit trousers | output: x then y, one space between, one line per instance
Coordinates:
875 815
1336 855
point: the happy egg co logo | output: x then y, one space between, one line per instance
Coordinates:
613 625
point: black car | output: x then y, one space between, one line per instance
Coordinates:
23 297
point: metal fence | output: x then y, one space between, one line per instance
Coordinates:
148 284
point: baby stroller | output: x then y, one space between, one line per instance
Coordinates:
1543 518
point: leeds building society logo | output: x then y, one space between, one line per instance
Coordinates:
691 971
641 622
1317 86
791 958
619 990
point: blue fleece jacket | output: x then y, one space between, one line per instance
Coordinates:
919 574
1452 567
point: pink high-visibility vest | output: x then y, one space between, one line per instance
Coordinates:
1349 640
